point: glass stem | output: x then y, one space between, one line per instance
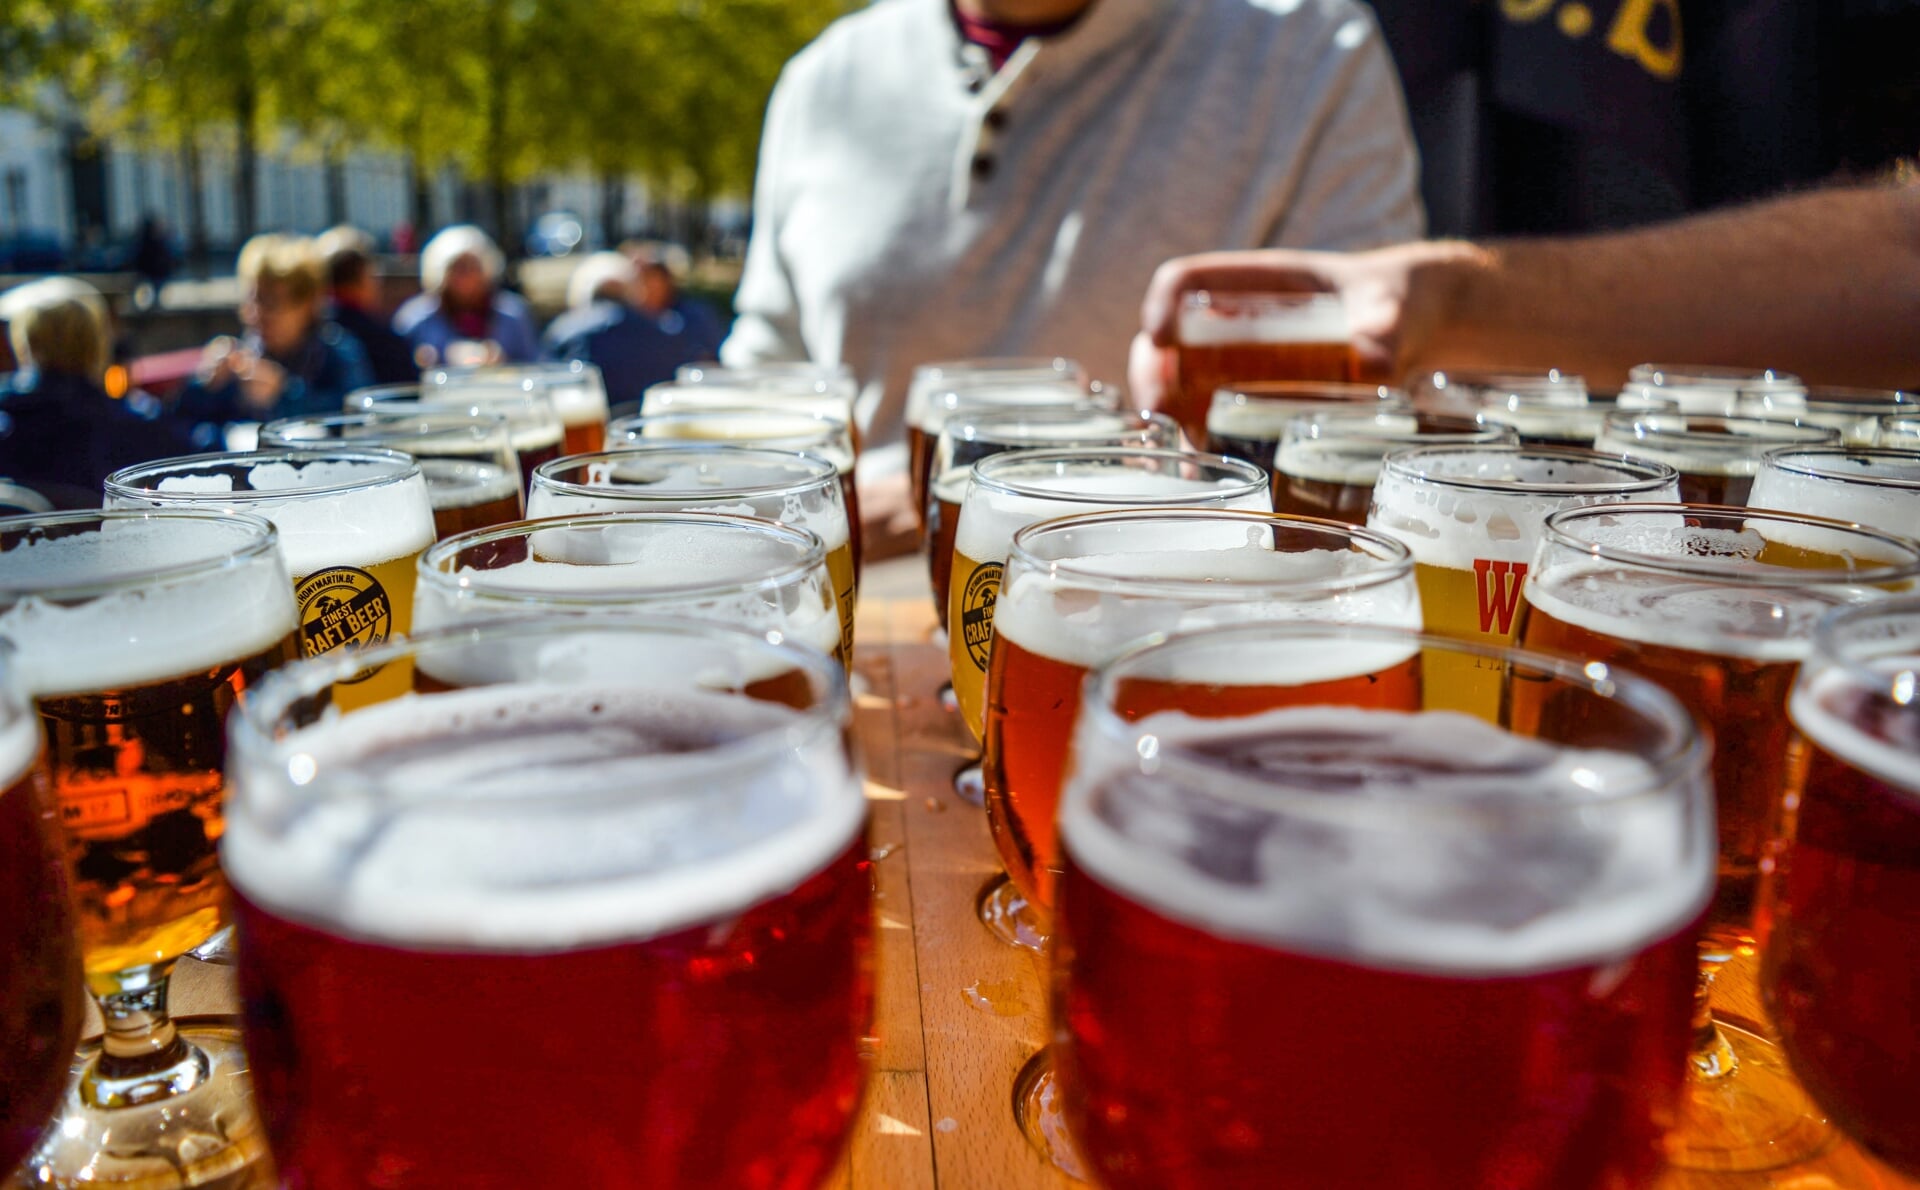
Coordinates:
1712 1057
142 1057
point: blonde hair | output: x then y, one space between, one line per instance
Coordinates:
291 262
58 325
449 245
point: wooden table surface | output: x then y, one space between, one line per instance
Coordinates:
959 1012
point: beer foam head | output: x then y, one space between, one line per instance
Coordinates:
794 489
539 817
1428 841
1869 487
1717 392
1214 320
771 428
1695 445
1348 446
129 604
1452 507
989 517
822 399
345 510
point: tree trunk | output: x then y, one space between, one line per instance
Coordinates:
191 181
613 209
337 212
246 172
419 194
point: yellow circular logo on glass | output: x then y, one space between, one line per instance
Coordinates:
976 612
342 607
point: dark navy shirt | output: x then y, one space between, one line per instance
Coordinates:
62 435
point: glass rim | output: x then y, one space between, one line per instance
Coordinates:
993 417
369 396
1631 422
1830 652
1518 381
695 372
830 423
746 384
432 567
1843 398
1652 476
1657 375
988 364
1268 299
1252 477
1683 755
255 725
544 474
1395 566
1261 391
505 374
1555 532
1454 429
455 422
264 541
121 483
1778 458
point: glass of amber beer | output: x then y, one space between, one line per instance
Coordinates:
1717 457
794 488
1842 964
707 566
1550 411
40 988
533 426
1472 517
1327 462
1247 421
1873 486
574 389
351 522
929 402
136 631
1312 932
591 909
465 455
984 394
1224 339
1717 605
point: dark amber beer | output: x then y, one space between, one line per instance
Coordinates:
978 395
1321 945
1079 589
1226 339
533 425
1717 457
932 396
469 495
40 989
573 389
1247 421
1866 485
1842 964
1327 462
643 889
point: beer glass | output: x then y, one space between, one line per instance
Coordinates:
1462 394
465 455
1900 431
1472 517
1871 486
351 525
1547 413
1247 421
1013 490
1855 412
1842 965
1224 339
968 438
1717 605
40 986
575 389
135 631
1327 462
793 488
587 912
767 425
708 566
715 372
932 380
984 394
1315 938
1713 392
532 424
1717 457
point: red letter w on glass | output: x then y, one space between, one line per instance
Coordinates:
1496 587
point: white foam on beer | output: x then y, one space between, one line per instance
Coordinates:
1879 491
147 631
979 394
1313 322
463 483
774 429
582 404
829 400
989 519
1079 621
1550 862
1448 525
1879 758
708 485
539 817
19 744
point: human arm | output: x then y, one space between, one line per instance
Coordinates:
1824 284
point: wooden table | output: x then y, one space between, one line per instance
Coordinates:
959 1012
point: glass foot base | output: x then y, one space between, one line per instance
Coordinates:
1036 1105
208 1136
1754 1117
970 785
949 701
1008 916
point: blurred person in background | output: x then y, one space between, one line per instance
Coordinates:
152 259
1824 284
353 293
691 326
602 327
291 362
945 179
60 433
462 316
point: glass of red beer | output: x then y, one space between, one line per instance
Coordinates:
1841 971
592 908
1312 942
1227 339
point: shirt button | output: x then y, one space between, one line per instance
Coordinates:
982 166
997 119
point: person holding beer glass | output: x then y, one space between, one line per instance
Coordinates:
108 613
1841 969
1717 457
352 523
1717 605
586 911
1312 932
1872 486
